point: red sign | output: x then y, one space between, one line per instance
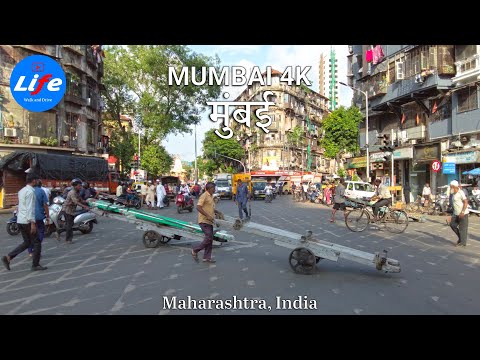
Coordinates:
436 166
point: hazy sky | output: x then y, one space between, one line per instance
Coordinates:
277 56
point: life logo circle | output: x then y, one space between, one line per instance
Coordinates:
38 83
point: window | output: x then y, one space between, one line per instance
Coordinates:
350 186
467 99
463 52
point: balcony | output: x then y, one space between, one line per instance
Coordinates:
79 49
468 68
41 49
72 97
100 69
91 58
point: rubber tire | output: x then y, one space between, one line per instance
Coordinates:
13 229
88 230
178 210
190 209
138 205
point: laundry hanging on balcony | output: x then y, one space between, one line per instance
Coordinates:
378 55
369 56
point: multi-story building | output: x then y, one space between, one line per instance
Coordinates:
71 126
409 89
327 78
295 106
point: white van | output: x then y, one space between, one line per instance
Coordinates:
358 190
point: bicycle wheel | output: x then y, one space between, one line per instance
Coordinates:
396 221
357 220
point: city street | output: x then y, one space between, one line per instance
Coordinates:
111 272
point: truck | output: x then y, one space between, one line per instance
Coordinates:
223 186
55 170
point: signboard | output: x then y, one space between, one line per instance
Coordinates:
378 156
427 153
403 153
436 166
469 157
358 162
449 168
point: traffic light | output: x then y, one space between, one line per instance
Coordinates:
386 140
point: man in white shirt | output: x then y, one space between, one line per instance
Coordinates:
459 222
426 193
161 193
383 195
27 224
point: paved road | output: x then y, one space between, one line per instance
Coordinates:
110 271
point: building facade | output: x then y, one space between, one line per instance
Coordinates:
421 98
74 124
327 78
298 111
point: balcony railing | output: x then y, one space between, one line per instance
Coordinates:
467 67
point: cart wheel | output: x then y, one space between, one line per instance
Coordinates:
317 259
302 261
165 239
151 239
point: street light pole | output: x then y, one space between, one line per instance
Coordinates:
196 173
366 125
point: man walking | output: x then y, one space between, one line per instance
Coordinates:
339 199
161 193
427 194
41 212
26 223
241 199
206 219
459 222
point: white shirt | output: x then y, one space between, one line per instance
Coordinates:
161 190
426 191
383 192
268 190
26 205
458 202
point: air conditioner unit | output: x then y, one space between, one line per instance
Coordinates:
11 132
34 140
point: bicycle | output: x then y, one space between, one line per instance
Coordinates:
357 220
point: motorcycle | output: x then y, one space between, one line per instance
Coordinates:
82 222
12 226
268 196
182 204
135 201
474 204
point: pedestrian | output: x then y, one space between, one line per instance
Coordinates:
143 192
305 191
41 212
406 192
339 199
206 219
161 193
426 193
69 209
459 223
150 198
280 189
241 199
27 225
196 190
119 190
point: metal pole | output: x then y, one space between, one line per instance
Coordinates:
391 176
196 171
366 136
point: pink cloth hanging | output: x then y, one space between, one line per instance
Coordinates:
369 56
378 55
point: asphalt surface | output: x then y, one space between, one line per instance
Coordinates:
111 272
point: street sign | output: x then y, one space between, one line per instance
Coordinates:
449 168
436 166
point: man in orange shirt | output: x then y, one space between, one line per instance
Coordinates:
206 219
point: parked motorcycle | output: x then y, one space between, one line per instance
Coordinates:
182 204
474 204
12 226
135 202
82 222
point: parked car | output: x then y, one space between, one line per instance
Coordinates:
358 190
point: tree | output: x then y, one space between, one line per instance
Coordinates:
341 132
206 167
213 144
156 160
189 172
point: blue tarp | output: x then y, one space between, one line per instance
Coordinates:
472 172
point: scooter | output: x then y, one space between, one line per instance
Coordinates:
12 226
474 204
83 220
182 204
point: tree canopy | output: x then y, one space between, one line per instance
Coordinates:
213 144
341 131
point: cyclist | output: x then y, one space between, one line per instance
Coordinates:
382 194
268 191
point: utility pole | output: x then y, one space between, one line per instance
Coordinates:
196 170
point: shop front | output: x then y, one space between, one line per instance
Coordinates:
402 162
463 161
357 166
421 170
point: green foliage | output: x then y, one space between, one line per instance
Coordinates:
341 131
342 173
355 177
295 137
156 160
122 147
189 172
206 167
227 147
49 141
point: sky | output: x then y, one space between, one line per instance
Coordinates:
277 56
